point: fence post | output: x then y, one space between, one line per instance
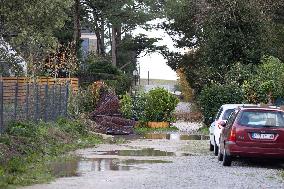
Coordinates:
27 100
36 104
60 99
16 100
46 104
66 99
53 103
1 107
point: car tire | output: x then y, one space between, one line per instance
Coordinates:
211 147
220 155
227 160
215 149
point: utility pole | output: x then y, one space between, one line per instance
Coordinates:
148 77
139 74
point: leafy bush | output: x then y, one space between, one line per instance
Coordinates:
75 127
100 69
215 95
239 73
22 129
267 84
160 105
139 104
126 106
121 84
97 66
15 165
84 101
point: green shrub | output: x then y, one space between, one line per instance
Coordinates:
15 165
267 84
83 102
121 84
126 106
98 68
72 127
160 105
102 66
23 129
139 104
239 73
215 95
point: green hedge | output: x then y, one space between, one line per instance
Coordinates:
212 97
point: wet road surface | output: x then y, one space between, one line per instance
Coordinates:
160 160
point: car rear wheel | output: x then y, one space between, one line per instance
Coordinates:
211 147
215 148
220 155
227 160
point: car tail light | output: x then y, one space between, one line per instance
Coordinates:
232 136
218 125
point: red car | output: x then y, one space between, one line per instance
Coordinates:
252 132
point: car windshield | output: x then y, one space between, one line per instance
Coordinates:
227 114
262 118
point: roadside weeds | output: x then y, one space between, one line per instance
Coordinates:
28 149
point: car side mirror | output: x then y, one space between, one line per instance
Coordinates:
223 123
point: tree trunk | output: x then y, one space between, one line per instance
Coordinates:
103 36
99 42
77 29
118 35
113 46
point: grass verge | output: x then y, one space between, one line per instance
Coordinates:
27 150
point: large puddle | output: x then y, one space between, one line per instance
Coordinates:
163 136
79 166
150 152
175 136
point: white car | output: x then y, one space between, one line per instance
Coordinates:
215 128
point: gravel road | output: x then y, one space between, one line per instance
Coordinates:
178 164
164 161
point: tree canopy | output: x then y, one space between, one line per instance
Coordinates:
220 33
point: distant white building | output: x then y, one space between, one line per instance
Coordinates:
89 44
169 88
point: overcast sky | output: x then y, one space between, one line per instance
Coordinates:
155 62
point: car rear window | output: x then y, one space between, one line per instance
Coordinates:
227 114
262 118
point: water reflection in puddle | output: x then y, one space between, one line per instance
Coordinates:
143 152
175 136
78 166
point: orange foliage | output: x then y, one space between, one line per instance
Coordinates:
186 90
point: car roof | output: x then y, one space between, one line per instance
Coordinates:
233 106
262 108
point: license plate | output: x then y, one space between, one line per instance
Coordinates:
262 136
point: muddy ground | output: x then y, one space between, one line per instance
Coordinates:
167 161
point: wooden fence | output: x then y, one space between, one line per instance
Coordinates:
10 84
34 99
